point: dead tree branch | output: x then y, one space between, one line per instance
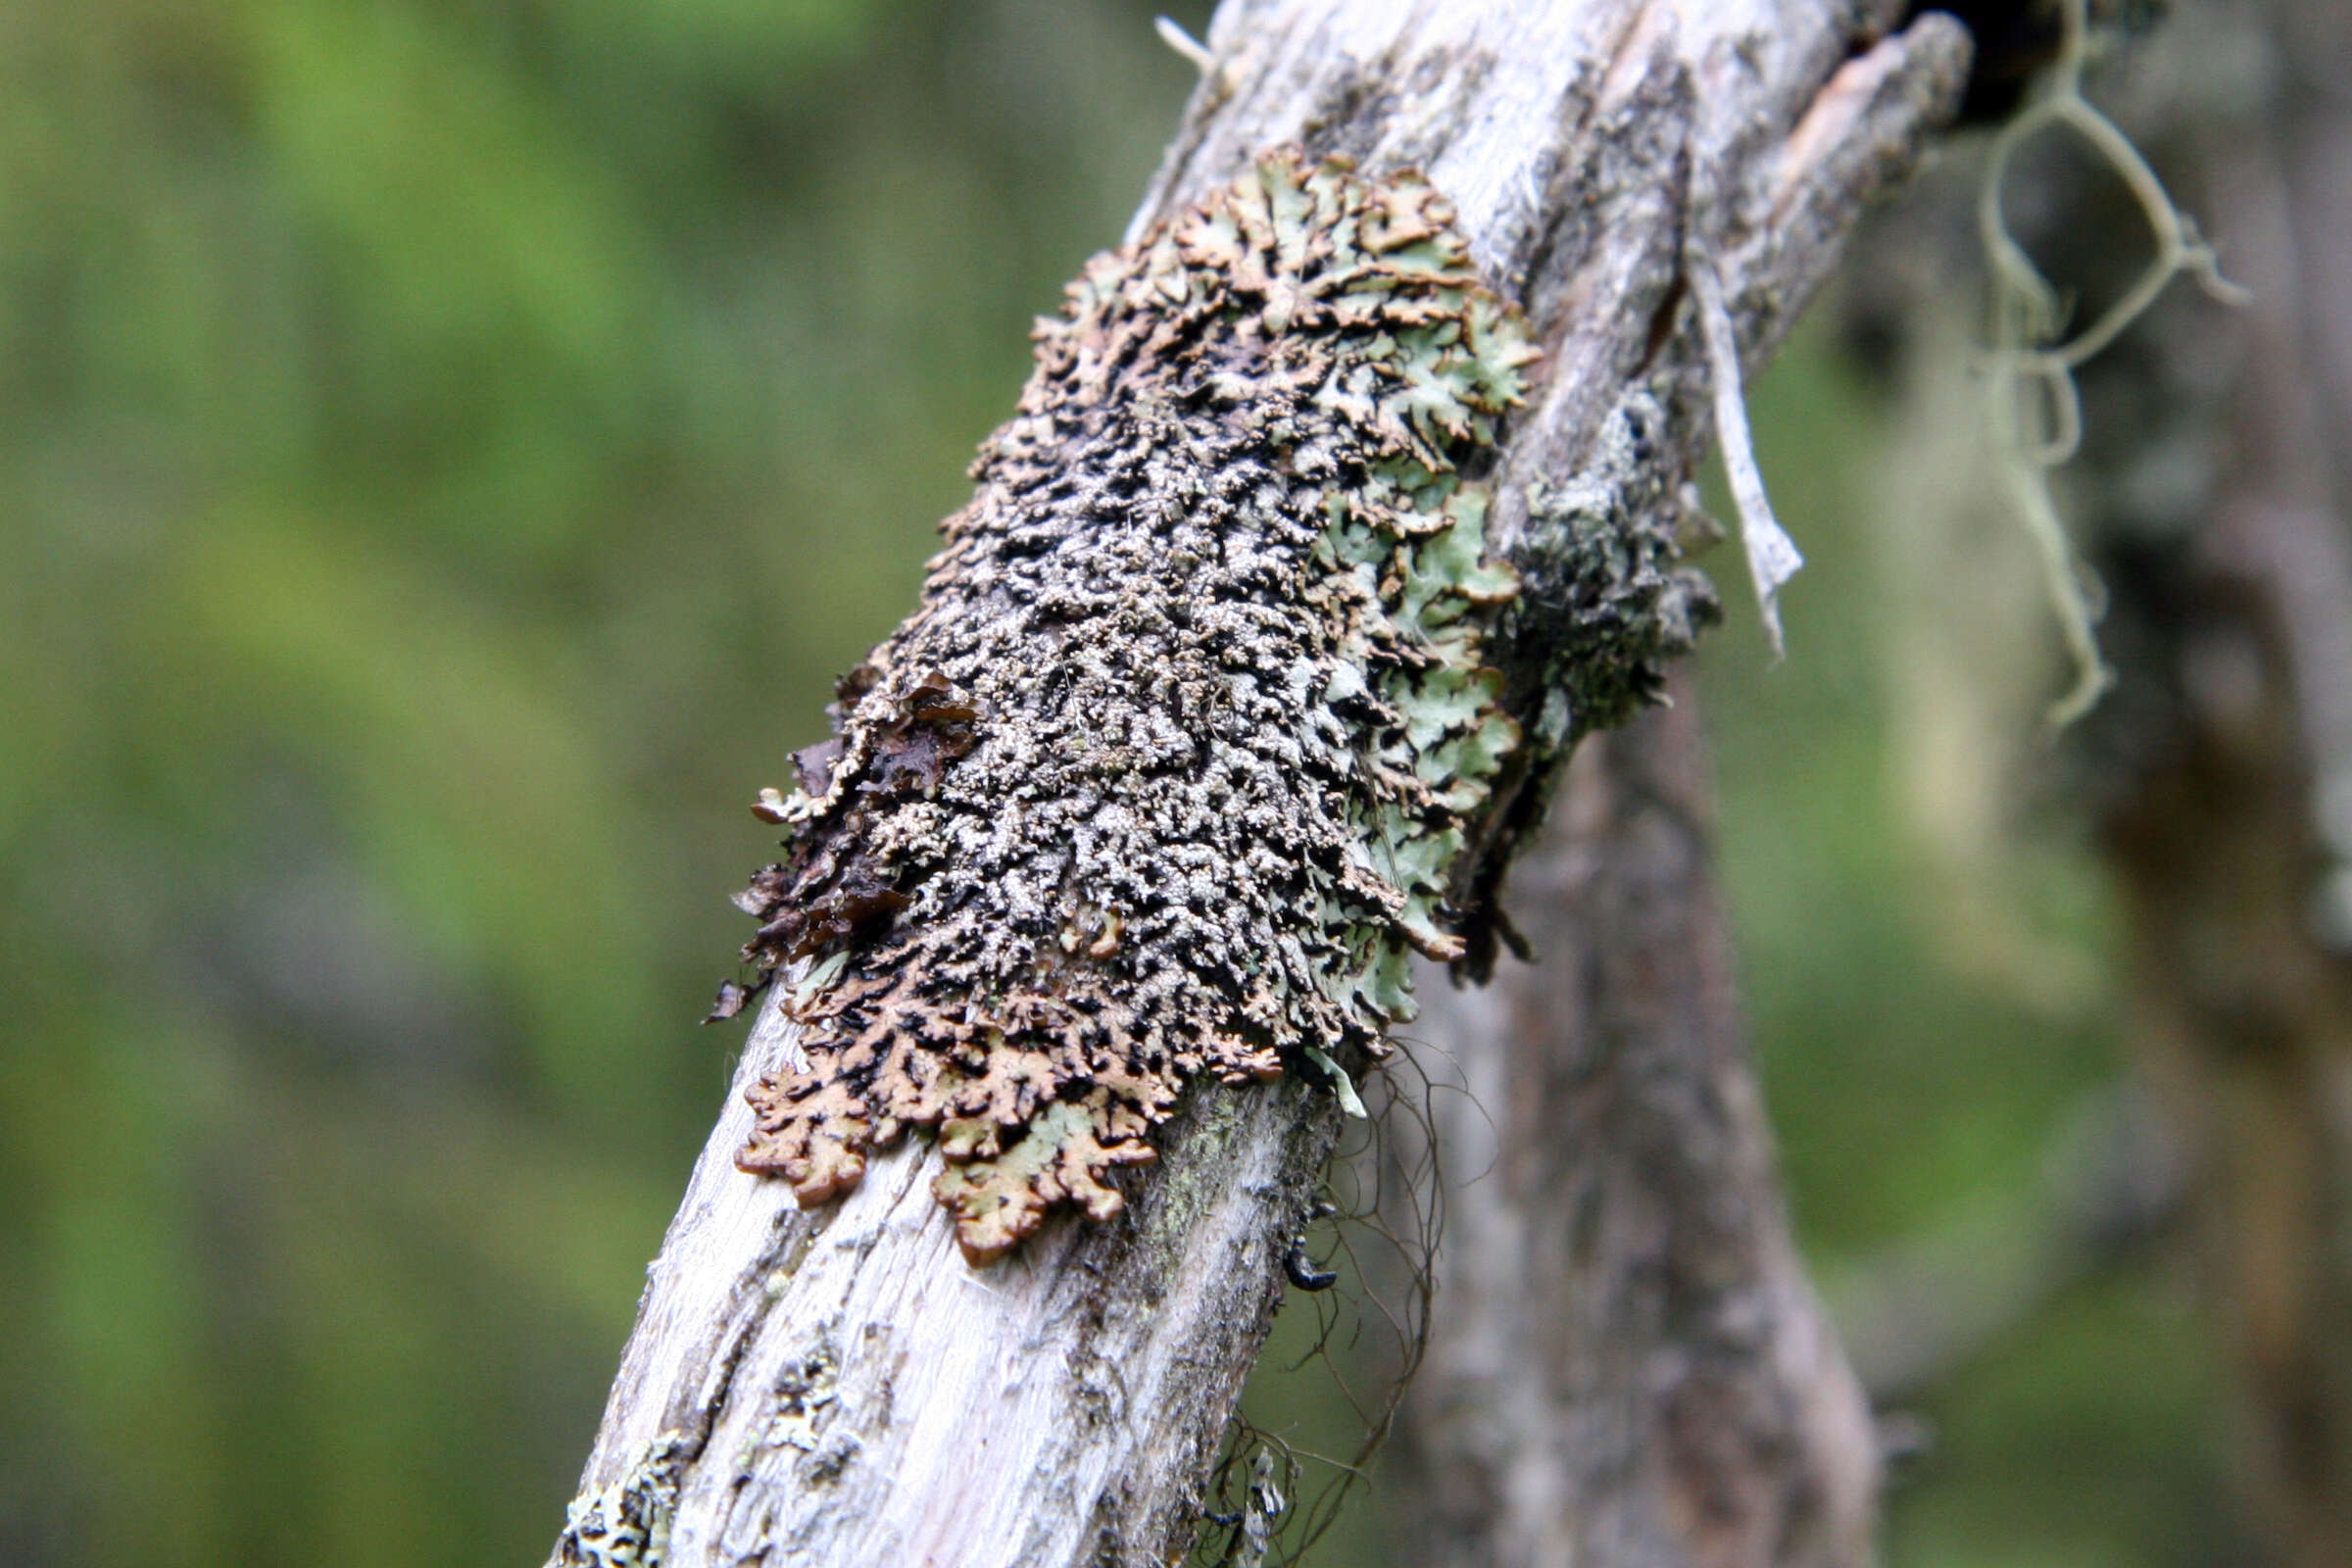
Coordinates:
836 1385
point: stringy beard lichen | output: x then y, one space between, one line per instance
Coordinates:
1169 771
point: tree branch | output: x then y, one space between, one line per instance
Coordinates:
2209 495
836 1385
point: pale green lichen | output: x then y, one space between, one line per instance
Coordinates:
1172 770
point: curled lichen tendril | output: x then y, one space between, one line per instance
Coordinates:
2033 408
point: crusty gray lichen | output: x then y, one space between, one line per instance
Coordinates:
626 1525
1604 600
1603 605
1170 771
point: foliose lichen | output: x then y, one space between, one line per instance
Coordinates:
1170 771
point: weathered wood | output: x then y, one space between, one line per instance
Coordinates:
1625 1364
838 1386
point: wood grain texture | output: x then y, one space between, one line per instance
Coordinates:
838 1386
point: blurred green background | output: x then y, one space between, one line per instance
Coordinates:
446 446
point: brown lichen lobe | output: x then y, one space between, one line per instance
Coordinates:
1169 770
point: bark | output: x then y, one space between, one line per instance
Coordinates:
836 1385
1626 1364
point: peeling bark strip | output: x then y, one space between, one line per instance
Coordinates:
1066 1408
1168 774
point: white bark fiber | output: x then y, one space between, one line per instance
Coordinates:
839 1386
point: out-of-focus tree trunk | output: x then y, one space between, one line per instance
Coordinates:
1626 1364
2213 497
2234 838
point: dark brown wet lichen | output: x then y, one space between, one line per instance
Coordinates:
1170 771
1603 606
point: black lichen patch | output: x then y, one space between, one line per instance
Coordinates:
626 1525
1604 605
836 889
1171 768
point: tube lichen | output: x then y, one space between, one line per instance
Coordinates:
1171 768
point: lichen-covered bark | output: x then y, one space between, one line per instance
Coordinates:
1065 1406
1169 772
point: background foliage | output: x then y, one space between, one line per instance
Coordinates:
446 449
